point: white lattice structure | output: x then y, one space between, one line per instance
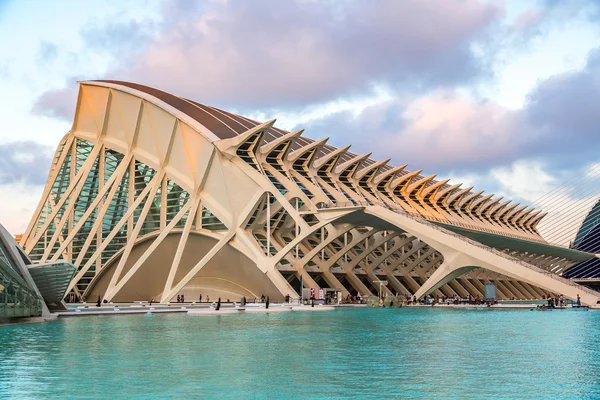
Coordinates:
152 195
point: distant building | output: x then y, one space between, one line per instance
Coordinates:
152 195
28 290
588 239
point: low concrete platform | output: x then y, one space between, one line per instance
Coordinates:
350 305
484 306
212 311
315 308
192 309
473 306
260 309
271 309
231 309
119 311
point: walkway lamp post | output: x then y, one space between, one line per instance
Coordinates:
380 284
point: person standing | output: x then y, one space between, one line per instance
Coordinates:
178 298
200 298
578 300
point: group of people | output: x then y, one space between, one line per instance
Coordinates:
560 301
556 301
356 299
429 300
181 298
200 298
332 298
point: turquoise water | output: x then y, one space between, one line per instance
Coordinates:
351 353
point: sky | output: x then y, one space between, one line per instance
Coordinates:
498 94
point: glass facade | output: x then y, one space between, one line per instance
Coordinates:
89 233
16 298
587 239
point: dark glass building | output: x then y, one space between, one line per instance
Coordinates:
588 239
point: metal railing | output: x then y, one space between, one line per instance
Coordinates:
463 238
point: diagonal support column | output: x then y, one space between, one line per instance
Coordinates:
357 284
410 281
334 282
532 289
397 285
307 278
503 287
458 287
509 284
479 285
472 289
172 291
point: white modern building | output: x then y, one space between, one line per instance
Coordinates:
152 195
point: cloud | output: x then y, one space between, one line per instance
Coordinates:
24 170
563 111
24 163
524 179
446 131
270 53
121 39
570 9
5 70
58 103
593 170
545 154
19 201
529 22
440 131
47 53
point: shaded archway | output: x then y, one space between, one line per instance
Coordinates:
229 274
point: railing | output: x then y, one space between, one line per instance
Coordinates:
464 238
586 279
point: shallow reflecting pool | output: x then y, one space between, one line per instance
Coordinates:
350 353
